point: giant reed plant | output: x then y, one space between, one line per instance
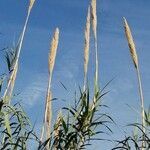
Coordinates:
14 61
48 105
141 139
136 64
14 124
82 122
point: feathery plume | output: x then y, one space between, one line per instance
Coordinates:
31 5
48 105
94 27
57 124
53 51
131 43
57 128
94 17
86 46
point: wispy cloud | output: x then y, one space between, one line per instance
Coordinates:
35 90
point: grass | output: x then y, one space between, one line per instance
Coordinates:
76 125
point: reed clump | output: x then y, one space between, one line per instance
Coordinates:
78 124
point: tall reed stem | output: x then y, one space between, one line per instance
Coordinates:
48 105
97 67
94 27
142 105
136 64
20 42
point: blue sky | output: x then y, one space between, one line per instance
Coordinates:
114 57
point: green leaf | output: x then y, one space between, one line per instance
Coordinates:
8 61
7 125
